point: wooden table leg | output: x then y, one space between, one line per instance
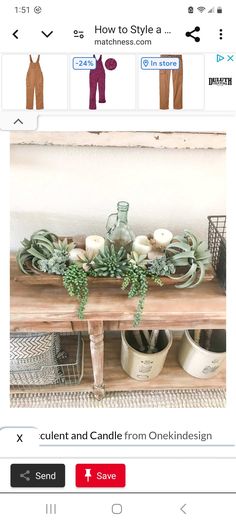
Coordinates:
96 334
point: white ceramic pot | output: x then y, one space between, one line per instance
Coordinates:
199 362
143 366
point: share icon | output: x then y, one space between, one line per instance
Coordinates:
190 34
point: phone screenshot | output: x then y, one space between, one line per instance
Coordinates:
117 140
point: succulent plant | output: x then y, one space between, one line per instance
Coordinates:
76 282
137 260
85 260
136 280
63 246
162 266
188 251
40 246
110 263
58 263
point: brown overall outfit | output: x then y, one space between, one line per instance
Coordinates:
34 83
177 77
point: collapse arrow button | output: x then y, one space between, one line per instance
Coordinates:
15 34
183 509
47 34
18 120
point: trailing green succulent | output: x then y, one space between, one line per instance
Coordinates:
160 267
76 283
110 263
188 251
40 246
136 280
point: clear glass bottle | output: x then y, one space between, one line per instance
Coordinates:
118 231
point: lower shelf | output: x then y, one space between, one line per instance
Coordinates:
115 379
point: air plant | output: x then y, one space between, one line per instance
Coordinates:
190 252
40 246
44 252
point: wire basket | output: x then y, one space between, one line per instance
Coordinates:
69 369
217 245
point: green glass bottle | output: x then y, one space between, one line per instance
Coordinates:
118 231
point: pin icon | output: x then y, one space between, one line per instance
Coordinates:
145 63
88 474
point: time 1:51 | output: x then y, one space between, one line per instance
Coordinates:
22 9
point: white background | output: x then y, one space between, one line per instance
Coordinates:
120 85
14 71
193 85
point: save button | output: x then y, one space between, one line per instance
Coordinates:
100 475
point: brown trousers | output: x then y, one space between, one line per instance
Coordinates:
177 77
34 85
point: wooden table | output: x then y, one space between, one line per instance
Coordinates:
49 308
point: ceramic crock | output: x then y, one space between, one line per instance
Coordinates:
199 362
144 366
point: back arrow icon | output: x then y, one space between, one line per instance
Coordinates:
15 33
182 509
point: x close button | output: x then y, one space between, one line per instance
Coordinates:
37 475
100 476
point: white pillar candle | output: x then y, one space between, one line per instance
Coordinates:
162 237
94 244
142 245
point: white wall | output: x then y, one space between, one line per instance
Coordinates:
71 190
